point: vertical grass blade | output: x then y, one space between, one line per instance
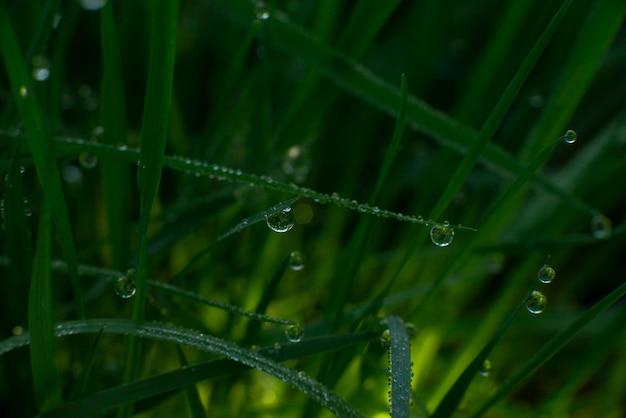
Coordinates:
41 321
400 365
40 141
551 348
163 21
497 115
115 173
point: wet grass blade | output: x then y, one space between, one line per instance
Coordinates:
551 348
46 379
40 142
400 366
115 173
163 23
497 115
193 397
260 360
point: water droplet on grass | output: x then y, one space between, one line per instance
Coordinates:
41 68
125 287
536 302
570 136
87 160
601 226
441 235
24 91
92 4
296 261
262 12
281 221
385 339
294 332
485 368
546 274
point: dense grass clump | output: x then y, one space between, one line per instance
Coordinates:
232 208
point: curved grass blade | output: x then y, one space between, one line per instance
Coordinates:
45 374
400 366
497 115
39 139
551 348
193 397
192 338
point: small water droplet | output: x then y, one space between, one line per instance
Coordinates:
441 235
296 261
281 221
601 227
570 136
125 287
296 163
87 160
536 302
546 274
385 339
41 67
24 91
262 12
294 332
92 5
485 368
18 330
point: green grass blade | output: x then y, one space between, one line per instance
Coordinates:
163 20
39 139
400 366
251 358
115 174
46 379
551 348
193 397
603 22
497 115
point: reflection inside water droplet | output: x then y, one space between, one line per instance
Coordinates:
296 261
570 136
546 274
125 287
281 221
601 227
442 235
536 302
294 332
485 368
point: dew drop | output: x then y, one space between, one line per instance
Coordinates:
41 67
294 332
536 302
600 226
296 261
281 221
385 339
296 163
92 5
87 160
441 235
546 274
570 136
262 12
24 91
125 287
485 368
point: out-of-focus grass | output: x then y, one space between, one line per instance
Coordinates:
298 102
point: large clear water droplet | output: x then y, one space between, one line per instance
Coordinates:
41 68
296 261
294 332
536 302
485 368
281 221
441 235
87 160
601 227
570 136
125 286
546 274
